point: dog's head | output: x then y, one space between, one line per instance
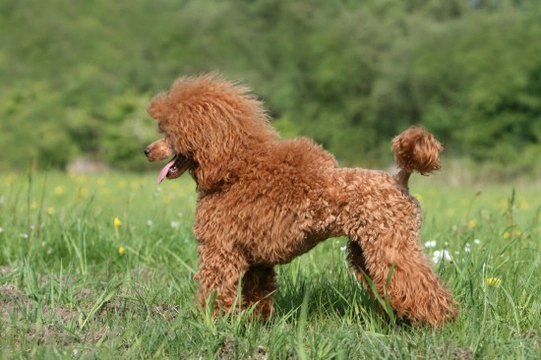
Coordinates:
207 125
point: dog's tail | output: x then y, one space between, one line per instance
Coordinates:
416 150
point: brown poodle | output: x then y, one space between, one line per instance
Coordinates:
263 200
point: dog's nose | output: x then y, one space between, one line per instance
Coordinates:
146 151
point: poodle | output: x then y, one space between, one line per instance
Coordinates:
263 200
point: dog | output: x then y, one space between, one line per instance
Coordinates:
263 200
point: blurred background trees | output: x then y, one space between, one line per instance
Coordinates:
77 75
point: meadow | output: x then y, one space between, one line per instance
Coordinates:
101 266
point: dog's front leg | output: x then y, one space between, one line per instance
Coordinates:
220 272
258 287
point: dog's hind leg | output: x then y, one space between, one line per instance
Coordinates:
258 286
220 273
357 262
402 275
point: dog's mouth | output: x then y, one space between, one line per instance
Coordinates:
174 168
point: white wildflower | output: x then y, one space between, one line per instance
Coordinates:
149 223
440 255
430 244
477 241
175 224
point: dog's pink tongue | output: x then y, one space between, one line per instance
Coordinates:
164 171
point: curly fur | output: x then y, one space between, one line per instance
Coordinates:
262 201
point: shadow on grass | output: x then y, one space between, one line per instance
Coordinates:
335 294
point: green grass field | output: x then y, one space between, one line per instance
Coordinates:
76 283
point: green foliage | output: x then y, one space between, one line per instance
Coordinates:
77 76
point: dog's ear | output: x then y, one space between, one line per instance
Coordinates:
159 107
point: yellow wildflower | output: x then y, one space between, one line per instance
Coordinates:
513 233
121 250
472 224
494 281
523 205
117 223
59 190
10 179
83 192
50 211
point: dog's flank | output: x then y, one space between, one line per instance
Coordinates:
262 201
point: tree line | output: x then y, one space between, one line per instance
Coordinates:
77 76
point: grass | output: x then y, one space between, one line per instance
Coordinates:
75 283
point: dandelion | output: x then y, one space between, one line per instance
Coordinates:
494 281
117 223
514 233
121 250
502 204
59 190
430 244
10 179
83 192
523 205
440 255
50 211
472 224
